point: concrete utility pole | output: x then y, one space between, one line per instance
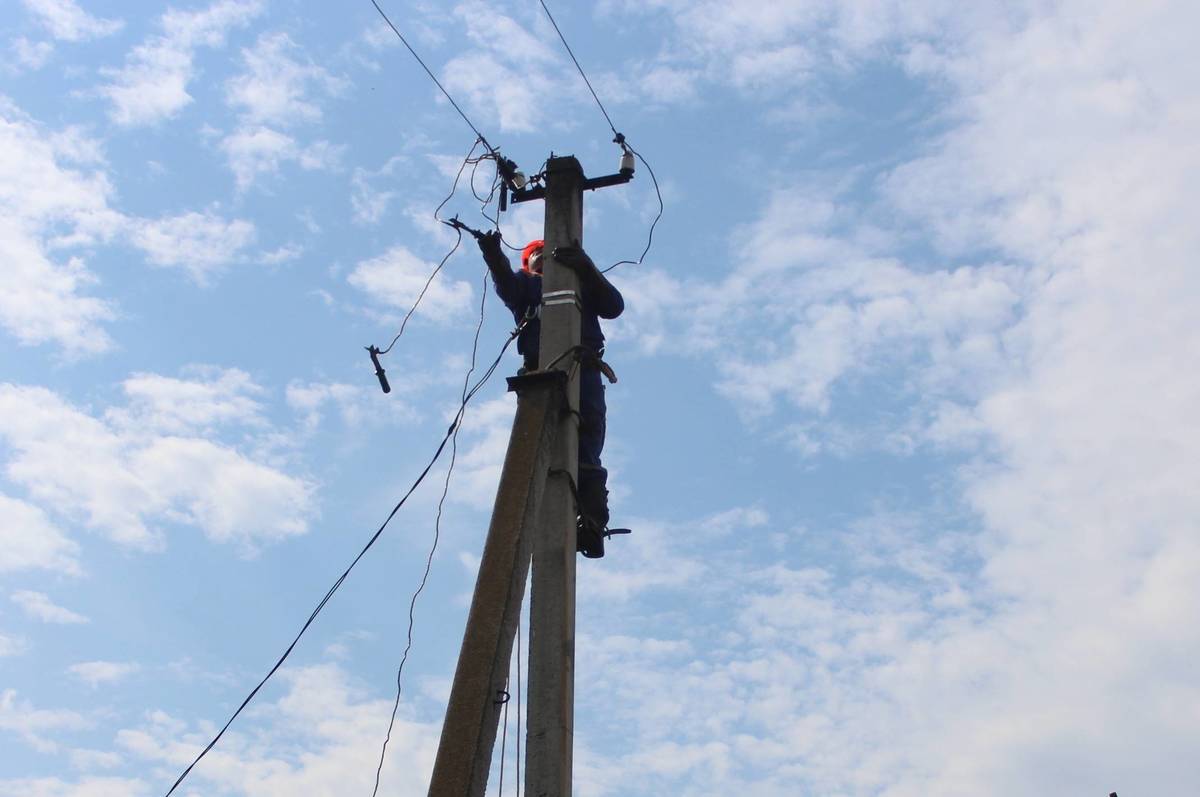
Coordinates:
551 720
477 695
534 517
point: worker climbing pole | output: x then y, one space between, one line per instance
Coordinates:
542 509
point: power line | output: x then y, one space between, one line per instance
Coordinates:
371 542
580 68
619 138
432 77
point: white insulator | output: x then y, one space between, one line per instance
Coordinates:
627 163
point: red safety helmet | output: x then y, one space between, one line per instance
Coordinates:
532 248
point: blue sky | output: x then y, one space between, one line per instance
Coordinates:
905 423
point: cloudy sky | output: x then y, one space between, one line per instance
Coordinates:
906 424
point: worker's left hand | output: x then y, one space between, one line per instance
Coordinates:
574 258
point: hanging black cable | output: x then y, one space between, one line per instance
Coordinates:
421 295
371 542
653 224
519 704
467 161
404 41
437 534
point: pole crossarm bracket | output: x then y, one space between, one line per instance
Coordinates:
589 184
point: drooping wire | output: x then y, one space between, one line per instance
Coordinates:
653 224
404 41
519 703
468 160
437 533
618 138
421 295
345 574
504 738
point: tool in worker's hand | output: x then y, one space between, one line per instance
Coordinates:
458 225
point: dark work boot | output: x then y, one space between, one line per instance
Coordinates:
593 511
589 540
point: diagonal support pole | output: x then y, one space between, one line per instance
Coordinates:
464 754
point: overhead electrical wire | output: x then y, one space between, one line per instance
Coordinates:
618 138
571 53
433 77
453 430
370 543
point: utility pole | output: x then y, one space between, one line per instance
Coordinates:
534 519
551 723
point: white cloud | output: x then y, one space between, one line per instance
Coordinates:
767 49
369 203
66 21
484 440
28 539
253 151
284 254
55 197
39 606
31 54
94 673
509 70
12 646
33 725
86 787
397 277
199 243
275 87
87 760
1062 635
321 736
213 397
152 86
275 91
47 205
310 399
125 480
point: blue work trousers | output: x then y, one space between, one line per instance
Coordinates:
592 410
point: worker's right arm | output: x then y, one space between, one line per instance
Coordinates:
507 286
